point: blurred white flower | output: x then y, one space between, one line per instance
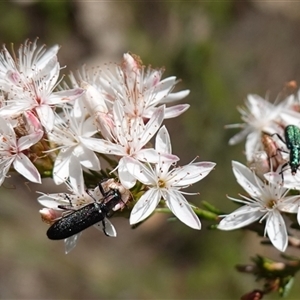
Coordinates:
260 116
266 203
289 112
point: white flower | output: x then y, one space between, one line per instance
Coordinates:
259 116
266 203
129 137
291 205
71 136
12 148
140 90
165 183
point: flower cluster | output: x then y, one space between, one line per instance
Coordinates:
27 105
272 144
68 131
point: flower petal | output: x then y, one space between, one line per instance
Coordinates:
150 155
126 178
176 110
253 144
290 181
87 157
49 55
246 179
7 128
109 228
76 176
139 171
241 217
144 206
153 125
191 173
4 167
172 97
32 122
93 99
46 116
102 146
61 166
53 200
290 204
239 136
276 230
163 141
182 209
163 88
170 112
23 165
65 96
71 242
27 141
88 127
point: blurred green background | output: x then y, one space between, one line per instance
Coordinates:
222 51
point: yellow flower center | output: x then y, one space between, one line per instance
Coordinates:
161 183
271 203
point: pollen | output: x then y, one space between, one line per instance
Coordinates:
271 203
161 183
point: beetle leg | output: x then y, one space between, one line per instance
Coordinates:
280 137
282 170
67 207
104 228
